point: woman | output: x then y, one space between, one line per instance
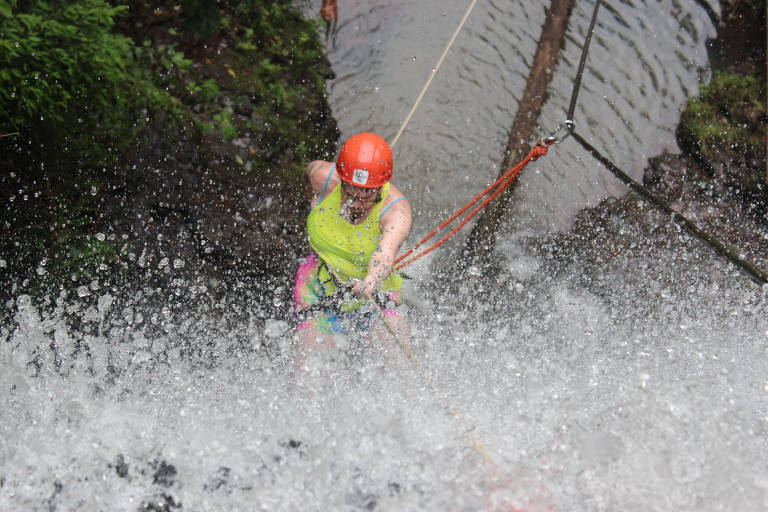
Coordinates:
357 223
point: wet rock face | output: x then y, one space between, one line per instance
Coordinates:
724 130
740 43
222 189
719 182
615 246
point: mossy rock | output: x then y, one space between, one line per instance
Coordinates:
725 130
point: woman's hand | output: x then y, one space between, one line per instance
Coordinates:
364 288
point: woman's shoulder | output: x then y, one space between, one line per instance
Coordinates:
394 194
322 175
395 203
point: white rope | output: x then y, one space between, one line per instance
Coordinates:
432 75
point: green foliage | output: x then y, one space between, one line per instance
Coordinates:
725 129
729 113
204 91
60 64
272 53
225 124
68 85
80 80
280 49
6 7
75 256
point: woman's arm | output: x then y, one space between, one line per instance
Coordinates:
395 226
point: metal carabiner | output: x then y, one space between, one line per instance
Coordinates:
552 138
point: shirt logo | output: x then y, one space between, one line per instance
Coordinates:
360 177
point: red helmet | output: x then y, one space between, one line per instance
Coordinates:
365 160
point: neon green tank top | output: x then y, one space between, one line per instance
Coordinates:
346 248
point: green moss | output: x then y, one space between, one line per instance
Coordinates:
729 112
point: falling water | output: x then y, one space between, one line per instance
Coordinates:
526 393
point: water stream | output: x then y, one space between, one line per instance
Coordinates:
646 58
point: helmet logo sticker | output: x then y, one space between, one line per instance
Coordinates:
360 177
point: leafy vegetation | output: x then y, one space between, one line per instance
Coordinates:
725 128
96 89
730 111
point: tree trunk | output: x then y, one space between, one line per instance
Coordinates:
482 239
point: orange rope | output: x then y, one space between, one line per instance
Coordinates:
502 183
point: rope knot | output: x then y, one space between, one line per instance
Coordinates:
540 149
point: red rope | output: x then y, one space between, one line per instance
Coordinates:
502 183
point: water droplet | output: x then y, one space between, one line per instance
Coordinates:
178 263
100 237
93 190
83 291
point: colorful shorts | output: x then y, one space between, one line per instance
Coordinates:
333 313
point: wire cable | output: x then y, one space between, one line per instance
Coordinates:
582 62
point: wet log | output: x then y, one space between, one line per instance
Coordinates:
482 239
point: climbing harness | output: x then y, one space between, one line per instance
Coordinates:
377 304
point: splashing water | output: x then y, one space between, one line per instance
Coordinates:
527 392
567 401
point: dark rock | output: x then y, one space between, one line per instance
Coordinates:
165 474
160 503
741 35
220 479
121 467
724 129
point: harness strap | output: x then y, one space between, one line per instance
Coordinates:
325 185
332 302
386 208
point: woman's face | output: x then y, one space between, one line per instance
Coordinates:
358 201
